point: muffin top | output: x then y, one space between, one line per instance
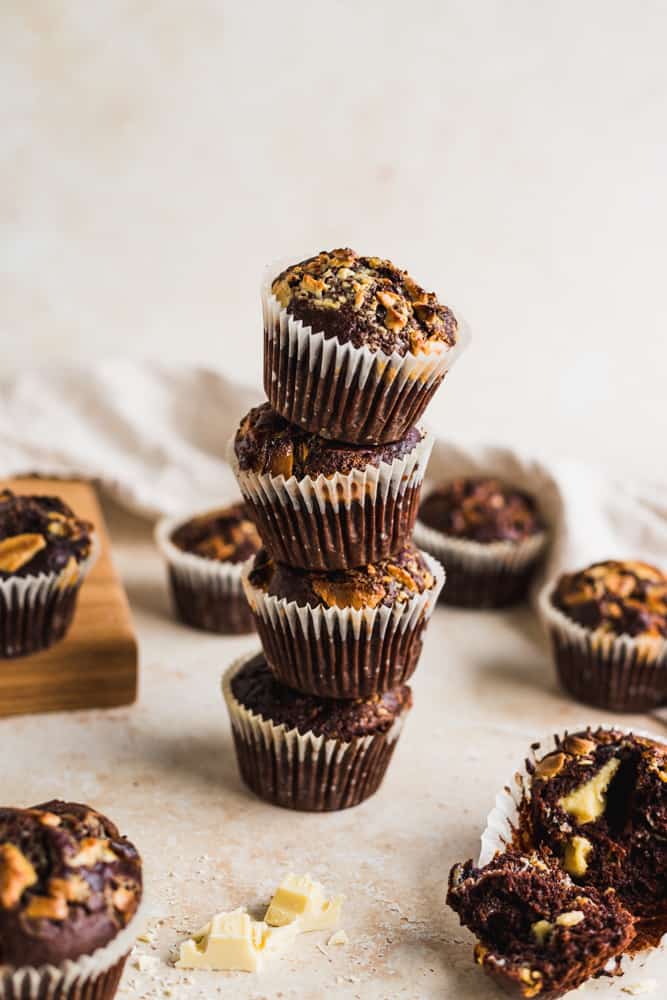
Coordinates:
40 534
266 443
225 535
68 883
255 687
481 510
621 598
392 581
366 301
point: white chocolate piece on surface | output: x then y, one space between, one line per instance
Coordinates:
338 938
234 942
298 897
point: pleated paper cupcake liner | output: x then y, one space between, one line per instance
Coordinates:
483 575
503 820
618 673
343 652
89 977
344 392
207 594
341 521
301 770
37 611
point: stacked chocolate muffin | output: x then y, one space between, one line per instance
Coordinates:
331 470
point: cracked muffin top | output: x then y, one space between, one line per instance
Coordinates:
255 687
365 301
69 882
617 597
481 509
40 534
390 582
266 443
225 535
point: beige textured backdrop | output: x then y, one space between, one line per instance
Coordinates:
512 154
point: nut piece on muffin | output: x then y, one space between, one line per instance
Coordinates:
539 934
205 555
348 634
489 535
608 629
69 885
598 801
354 347
45 546
326 505
305 752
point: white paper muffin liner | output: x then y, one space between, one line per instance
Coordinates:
340 521
620 673
36 611
343 652
483 575
301 770
89 977
341 391
207 593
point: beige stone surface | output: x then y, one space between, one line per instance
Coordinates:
165 771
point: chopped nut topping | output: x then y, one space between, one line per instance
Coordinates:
622 598
122 898
46 908
92 851
579 746
16 875
550 766
74 888
341 594
19 550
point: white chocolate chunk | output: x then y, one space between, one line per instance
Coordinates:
577 853
541 930
571 918
338 938
587 802
298 897
234 941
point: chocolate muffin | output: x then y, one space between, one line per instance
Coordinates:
539 934
354 348
598 801
608 630
490 536
70 886
309 753
45 554
204 555
347 634
324 505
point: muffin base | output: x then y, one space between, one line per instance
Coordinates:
205 608
340 652
483 576
305 772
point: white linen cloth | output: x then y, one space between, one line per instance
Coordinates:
155 437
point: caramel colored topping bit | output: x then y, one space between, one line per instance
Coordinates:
92 851
122 898
396 310
550 766
74 888
282 462
344 594
313 285
47 908
579 746
49 819
16 875
403 577
19 550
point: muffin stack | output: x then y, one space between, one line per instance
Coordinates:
331 470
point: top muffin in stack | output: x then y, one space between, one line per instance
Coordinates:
331 469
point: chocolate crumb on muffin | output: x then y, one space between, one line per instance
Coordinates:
598 801
322 504
205 555
69 885
489 535
345 634
539 934
608 628
354 346
45 553
310 753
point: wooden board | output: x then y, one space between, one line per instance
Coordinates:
95 665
